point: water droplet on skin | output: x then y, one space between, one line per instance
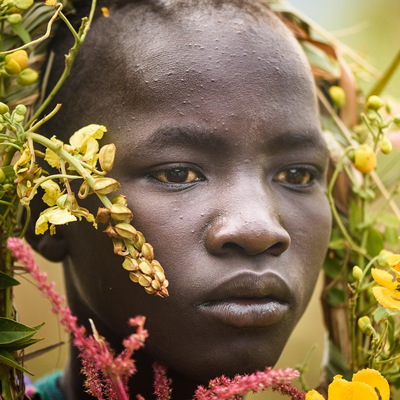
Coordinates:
192 231
202 215
181 217
156 80
146 82
277 68
212 80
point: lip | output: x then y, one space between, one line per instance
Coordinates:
250 300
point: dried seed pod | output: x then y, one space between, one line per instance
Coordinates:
103 215
126 231
130 264
145 267
160 276
111 232
155 285
144 281
134 276
105 185
107 157
119 246
157 266
148 252
120 213
119 199
139 241
149 290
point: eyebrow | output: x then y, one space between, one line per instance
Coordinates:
200 137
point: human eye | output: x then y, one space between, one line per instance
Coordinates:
296 176
178 175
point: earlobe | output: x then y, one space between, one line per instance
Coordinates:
52 247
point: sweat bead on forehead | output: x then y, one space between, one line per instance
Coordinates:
221 90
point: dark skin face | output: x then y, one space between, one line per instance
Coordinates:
220 155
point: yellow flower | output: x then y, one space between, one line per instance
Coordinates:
388 294
54 216
394 262
105 11
52 192
50 2
85 142
23 161
367 384
51 157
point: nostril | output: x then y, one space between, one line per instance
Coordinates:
277 248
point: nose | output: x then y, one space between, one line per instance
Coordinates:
252 226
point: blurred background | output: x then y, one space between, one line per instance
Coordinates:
372 28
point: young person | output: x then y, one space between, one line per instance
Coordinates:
212 107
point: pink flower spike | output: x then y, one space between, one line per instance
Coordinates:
162 385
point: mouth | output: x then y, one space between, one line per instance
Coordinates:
250 300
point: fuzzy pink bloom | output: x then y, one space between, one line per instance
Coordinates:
106 375
162 384
288 390
225 388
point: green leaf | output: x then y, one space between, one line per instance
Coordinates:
335 364
331 267
14 332
389 220
8 359
335 296
320 59
355 214
380 314
21 32
2 191
337 244
22 345
7 281
391 235
36 328
375 242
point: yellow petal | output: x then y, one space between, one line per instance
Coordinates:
105 11
340 389
387 298
52 158
61 216
362 391
52 192
394 261
383 278
79 138
314 395
373 378
41 225
90 155
24 159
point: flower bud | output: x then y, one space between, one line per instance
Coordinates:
103 215
27 77
134 276
145 267
144 281
20 109
2 176
157 266
386 146
119 199
357 272
14 19
126 231
16 62
107 157
139 241
364 323
62 200
120 213
160 276
382 259
130 264
396 119
364 159
337 95
4 108
23 4
375 103
147 251
18 118
105 185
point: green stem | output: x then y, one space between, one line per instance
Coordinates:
381 84
28 218
57 148
70 27
335 213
